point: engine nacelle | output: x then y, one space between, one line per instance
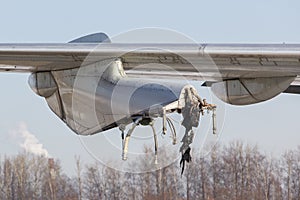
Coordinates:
247 91
42 83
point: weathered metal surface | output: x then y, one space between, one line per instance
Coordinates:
211 61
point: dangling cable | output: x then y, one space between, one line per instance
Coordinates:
173 130
173 120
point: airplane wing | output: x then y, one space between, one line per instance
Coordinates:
201 61
249 73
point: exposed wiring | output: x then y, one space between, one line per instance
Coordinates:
173 129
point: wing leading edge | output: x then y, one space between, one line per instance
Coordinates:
203 61
206 61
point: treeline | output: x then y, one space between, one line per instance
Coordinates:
235 171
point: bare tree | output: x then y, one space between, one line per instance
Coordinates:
21 171
79 178
235 171
93 183
8 179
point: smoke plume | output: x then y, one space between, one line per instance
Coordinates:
29 142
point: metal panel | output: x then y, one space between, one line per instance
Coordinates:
229 59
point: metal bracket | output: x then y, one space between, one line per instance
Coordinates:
125 141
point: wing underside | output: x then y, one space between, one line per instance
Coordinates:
198 62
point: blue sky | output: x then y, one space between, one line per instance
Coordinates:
273 125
